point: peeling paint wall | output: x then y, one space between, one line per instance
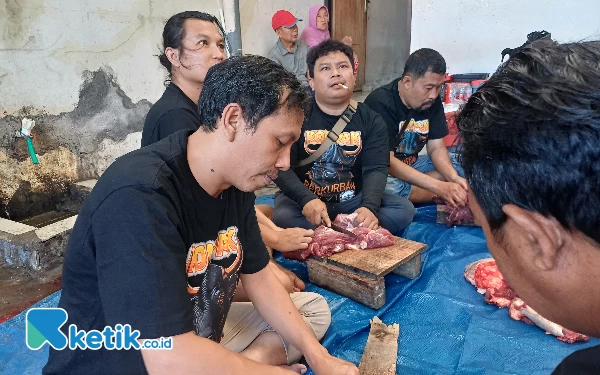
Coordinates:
470 34
87 73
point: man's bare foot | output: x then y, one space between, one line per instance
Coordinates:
296 367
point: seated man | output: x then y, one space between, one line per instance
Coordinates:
162 249
177 109
530 139
288 51
349 177
412 108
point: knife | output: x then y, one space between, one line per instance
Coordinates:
342 230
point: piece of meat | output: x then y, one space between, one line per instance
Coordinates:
456 215
327 242
488 280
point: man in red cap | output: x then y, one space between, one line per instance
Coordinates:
289 51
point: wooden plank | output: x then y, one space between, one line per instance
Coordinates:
379 261
411 268
381 351
360 289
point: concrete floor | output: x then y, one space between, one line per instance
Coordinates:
18 290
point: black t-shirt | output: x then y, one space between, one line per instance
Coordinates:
152 249
337 175
174 111
581 362
422 125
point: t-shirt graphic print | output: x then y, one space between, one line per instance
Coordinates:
412 141
330 177
212 273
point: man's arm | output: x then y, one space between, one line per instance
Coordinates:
284 240
375 163
409 174
436 149
312 207
275 306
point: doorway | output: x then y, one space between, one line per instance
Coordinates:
349 18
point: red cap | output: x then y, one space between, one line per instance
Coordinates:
283 18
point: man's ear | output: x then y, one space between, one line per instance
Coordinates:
545 235
173 56
407 81
232 121
311 81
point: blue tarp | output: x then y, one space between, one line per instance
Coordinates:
445 325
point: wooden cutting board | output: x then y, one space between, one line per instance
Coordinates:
378 262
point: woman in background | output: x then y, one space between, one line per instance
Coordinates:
317 30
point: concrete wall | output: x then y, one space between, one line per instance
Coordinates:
470 34
87 73
388 41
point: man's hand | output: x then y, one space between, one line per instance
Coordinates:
292 239
453 193
462 182
347 40
325 364
316 212
366 218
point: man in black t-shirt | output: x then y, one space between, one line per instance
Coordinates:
168 230
412 108
349 177
193 42
530 154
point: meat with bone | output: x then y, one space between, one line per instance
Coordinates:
456 215
327 242
488 280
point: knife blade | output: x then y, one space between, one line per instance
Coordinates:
342 230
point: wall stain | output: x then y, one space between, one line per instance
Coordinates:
17 17
70 146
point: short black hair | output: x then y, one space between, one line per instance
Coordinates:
256 83
422 61
531 136
323 49
173 32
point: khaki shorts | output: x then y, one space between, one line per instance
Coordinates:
244 324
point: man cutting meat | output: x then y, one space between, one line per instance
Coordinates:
348 176
530 138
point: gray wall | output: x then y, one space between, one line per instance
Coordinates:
388 41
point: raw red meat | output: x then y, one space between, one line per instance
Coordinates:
456 215
326 241
488 280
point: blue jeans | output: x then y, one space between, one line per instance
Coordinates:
423 165
395 213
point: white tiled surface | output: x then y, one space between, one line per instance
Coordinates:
14 227
49 231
